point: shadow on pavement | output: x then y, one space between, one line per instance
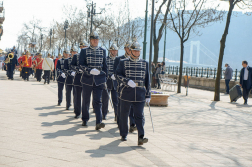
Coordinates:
54 113
231 160
48 107
62 122
68 132
112 148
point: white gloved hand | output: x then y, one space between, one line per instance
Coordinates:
147 100
131 83
95 72
80 70
113 77
63 75
73 73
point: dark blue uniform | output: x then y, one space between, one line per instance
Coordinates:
137 71
60 79
11 67
91 58
111 87
131 114
69 81
77 84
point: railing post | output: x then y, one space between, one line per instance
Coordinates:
172 70
236 75
177 70
197 72
202 72
207 73
214 72
191 71
221 73
168 69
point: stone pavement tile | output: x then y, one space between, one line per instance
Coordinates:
7 160
7 152
49 162
28 164
24 156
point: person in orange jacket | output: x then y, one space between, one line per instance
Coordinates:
27 61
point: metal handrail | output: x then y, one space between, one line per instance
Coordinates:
200 72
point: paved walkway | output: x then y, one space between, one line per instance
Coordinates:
192 131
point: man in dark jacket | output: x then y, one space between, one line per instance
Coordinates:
246 80
228 76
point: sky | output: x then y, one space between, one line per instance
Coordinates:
18 12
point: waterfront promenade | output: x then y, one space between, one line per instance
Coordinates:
193 131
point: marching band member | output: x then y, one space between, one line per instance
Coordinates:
69 77
133 74
131 115
111 83
20 63
77 83
61 76
38 65
94 67
11 63
27 65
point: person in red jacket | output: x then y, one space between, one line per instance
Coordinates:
27 61
38 65
20 63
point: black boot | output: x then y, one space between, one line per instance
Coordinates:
132 129
124 138
99 126
142 140
84 123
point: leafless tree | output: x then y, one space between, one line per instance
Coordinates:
242 4
185 20
163 19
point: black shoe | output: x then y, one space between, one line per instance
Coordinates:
67 108
141 141
104 118
76 117
11 78
59 104
132 129
124 138
84 123
99 126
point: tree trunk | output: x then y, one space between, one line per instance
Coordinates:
181 64
221 54
156 50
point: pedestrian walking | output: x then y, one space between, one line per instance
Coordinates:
246 81
228 76
47 66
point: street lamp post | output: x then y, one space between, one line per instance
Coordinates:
50 33
41 37
91 13
151 34
65 28
145 31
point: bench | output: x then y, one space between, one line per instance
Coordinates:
166 82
